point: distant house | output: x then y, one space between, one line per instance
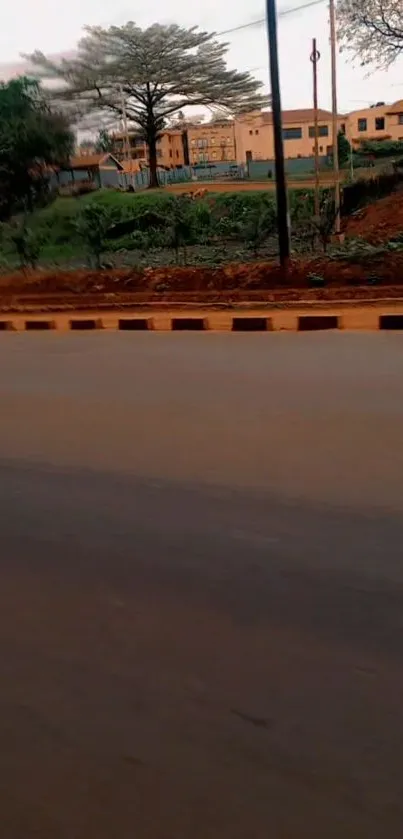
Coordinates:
99 169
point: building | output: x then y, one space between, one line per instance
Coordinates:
212 142
377 122
101 170
171 148
255 140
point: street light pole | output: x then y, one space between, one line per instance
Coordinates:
283 220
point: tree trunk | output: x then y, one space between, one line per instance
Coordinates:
152 151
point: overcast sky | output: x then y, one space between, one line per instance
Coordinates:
53 26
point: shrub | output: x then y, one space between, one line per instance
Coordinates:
92 224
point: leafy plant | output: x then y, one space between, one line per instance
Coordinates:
258 225
27 244
92 224
181 225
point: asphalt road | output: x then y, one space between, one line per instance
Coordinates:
201 586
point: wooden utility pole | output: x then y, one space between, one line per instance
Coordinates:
315 56
283 220
332 12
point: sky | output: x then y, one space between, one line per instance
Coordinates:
54 27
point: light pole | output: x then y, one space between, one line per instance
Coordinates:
283 219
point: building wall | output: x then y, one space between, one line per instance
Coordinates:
255 139
383 122
170 150
212 142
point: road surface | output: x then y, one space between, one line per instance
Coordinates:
201 586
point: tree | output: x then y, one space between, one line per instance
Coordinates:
151 74
344 148
104 142
32 138
371 29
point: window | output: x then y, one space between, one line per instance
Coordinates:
170 152
213 155
400 119
213 141
229 140
193 142
320 148
250 131
379 123
200 144
323 130
177 153
256 131
292 133
362 124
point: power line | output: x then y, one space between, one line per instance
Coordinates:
263 20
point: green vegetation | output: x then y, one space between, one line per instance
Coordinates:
382 148
114 228
344 148
156 228
31 139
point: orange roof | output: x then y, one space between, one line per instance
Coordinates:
396 108
300 115
88 161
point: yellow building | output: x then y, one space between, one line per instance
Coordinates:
211 142
379 122
255 140
170 148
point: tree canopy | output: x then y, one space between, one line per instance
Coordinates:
31 138
371 29
149 75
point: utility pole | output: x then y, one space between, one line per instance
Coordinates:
283 220
332 14
315 56
128 155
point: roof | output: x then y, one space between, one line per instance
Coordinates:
90 161
396 108
300 115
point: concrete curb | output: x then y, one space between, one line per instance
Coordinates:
381 317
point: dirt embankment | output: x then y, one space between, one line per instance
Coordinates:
314 279
378 222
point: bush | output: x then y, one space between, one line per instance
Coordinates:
92 224
366 190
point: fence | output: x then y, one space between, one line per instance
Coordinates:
263 169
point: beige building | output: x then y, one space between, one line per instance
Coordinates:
379 122
255 141
211 142
170 149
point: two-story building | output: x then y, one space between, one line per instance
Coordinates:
212 142
255 139
171 148
377 122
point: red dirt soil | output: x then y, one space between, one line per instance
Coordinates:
378 222
228 283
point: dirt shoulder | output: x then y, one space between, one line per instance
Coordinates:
315 281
